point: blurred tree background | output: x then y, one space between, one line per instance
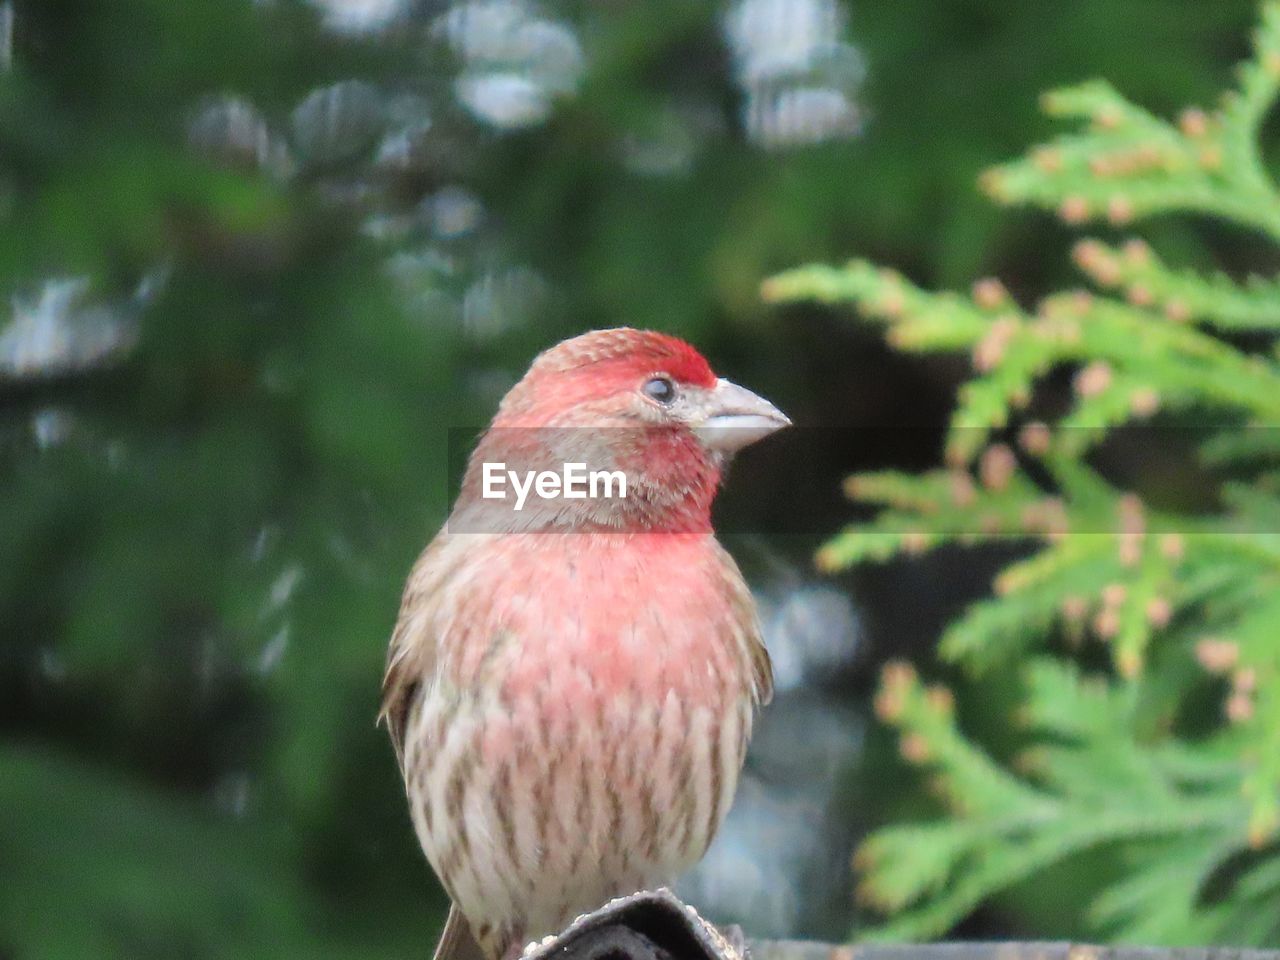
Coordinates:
259 258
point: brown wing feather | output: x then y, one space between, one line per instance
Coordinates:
412 652
398 691
762 669
748 620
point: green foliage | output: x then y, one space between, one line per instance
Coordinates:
82 809
1181 818
204 533
1173 810
202 538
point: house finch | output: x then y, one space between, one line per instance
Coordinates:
570 684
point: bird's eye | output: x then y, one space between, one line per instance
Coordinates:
660 389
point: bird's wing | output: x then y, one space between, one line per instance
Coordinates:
747 618
761 666
412 653
457 942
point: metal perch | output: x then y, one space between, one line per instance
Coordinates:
655 925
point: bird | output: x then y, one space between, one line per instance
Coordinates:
570 686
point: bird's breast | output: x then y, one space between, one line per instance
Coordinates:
586 723
574 623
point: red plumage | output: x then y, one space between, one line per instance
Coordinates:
570 688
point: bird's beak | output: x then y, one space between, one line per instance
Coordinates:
731 417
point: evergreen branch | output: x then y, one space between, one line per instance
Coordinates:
966 776
1128 164
1244 110
989 847
1161 902
1181 295
1181 601
918 321
1135 361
